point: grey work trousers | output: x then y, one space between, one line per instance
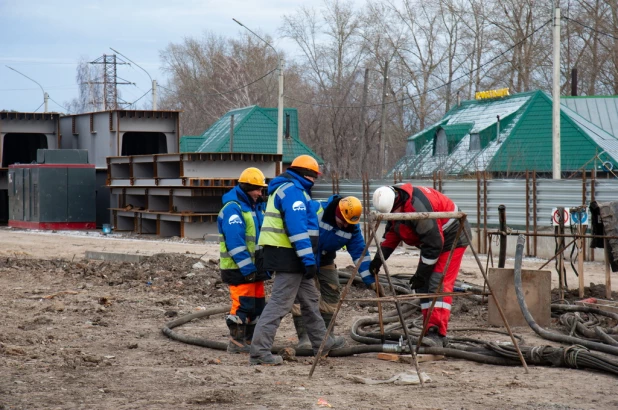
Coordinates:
288 287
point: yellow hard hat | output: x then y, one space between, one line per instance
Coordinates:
351 209
253 176
307 162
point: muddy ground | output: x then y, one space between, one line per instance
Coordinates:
79 334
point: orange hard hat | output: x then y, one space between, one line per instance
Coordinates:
307 162
253 176
351 209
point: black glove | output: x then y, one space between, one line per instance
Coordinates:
251 277
421 278
375 265
310 272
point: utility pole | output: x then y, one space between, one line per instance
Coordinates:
381 156
154 95
361 133
280 110
556 99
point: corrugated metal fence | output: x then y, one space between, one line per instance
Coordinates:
480 197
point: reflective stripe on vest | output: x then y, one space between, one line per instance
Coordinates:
273 229
225 256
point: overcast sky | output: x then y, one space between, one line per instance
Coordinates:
44 39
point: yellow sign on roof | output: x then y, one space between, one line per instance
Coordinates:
482 95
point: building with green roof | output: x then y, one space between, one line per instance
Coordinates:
513 134
254 131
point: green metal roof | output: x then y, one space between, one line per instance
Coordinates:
190 143
255 130
522 140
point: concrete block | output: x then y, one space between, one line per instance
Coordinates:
537 293
116 257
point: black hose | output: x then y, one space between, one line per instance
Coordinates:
532 323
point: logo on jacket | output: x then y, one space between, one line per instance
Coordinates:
234 219
299 206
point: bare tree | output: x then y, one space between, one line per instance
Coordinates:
89 81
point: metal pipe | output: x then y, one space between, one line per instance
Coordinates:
527 210
411 216
534 210
502 218
552 235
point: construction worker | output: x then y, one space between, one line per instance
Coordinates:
338 222
434 238
288 252
239 224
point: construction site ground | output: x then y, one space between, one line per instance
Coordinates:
80 334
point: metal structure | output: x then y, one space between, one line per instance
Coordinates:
110 79
177 194
377 218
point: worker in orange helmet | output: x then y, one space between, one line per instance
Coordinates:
289 241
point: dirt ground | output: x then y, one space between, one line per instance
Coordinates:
79 334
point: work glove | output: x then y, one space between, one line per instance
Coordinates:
375 265
251 277
420 279
310 272
375 285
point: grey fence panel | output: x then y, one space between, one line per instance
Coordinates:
463 193
510 193
553 194
606 190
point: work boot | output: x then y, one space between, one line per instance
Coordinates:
328 317
267 360
301 332
434 339
249 332
237 342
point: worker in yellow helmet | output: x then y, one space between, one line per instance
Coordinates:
239 224
339 227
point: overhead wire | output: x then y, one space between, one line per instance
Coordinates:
39 106
411 97
228 91
145 94
58 104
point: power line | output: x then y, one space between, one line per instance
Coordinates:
39 107
591 28
59 105
430 90
145 94
228 91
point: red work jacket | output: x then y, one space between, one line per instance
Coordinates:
426 234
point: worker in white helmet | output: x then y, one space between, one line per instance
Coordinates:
434 238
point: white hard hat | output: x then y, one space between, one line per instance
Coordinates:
383 199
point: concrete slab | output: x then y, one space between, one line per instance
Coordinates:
537 293
116 257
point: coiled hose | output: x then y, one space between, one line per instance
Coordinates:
546 334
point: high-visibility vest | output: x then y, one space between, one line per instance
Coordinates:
225 256
273 231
